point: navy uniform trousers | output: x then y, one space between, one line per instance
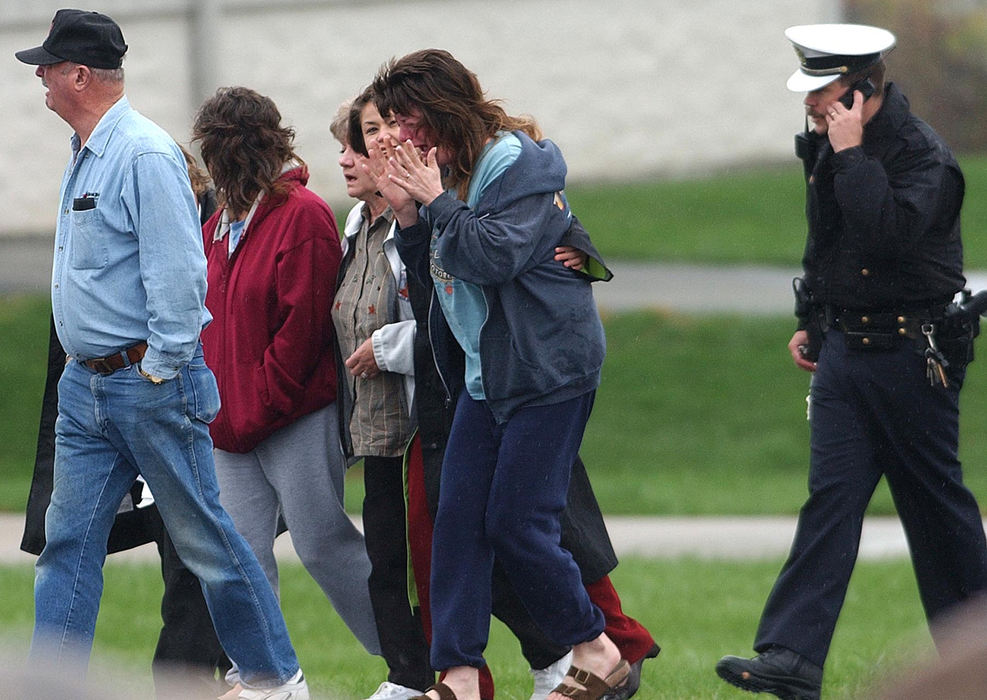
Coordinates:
873 413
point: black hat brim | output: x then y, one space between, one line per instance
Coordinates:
37 57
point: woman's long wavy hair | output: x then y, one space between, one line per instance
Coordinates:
452 105
243 146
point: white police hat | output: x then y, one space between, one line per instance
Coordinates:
828 51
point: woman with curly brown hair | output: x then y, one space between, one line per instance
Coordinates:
273 254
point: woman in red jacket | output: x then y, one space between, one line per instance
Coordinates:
273 254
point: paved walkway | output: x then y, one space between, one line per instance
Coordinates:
727 537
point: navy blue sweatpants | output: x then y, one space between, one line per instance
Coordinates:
502 491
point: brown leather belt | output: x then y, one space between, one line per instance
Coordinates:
124 358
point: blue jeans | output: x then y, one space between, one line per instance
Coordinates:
109 429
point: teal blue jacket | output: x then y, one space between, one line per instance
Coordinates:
542 341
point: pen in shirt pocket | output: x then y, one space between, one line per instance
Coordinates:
83 203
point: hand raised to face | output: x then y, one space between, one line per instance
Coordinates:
845 126
406 168
405 178
397 198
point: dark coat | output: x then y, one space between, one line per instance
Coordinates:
884 217
132 527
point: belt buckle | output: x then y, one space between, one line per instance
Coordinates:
101 365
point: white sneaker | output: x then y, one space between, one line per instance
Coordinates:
547 679
393 691
295 689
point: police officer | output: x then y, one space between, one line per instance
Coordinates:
882 263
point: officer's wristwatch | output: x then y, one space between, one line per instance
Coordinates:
150 377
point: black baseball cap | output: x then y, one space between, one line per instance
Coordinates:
87 38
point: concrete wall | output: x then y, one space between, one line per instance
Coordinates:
628 88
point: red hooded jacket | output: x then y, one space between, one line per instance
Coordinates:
270 343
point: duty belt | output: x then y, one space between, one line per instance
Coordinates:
881 329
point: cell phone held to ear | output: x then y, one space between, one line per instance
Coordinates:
866 88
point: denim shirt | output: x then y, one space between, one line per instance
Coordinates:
128 264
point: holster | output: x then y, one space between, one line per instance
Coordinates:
809 319
957 329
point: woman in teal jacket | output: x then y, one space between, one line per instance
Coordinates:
480 208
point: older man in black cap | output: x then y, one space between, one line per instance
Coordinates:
135 397
882 264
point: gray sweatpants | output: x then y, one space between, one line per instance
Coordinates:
298 473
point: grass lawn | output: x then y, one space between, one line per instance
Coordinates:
23 363
749 216
696 610
707 415
685 403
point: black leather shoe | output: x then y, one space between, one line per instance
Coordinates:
633 683
778 671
